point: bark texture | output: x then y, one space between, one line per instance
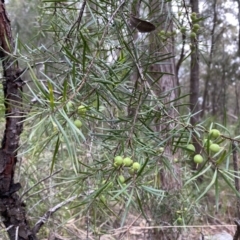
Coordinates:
11 208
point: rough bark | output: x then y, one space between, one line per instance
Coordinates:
11 208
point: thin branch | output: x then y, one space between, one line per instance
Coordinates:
40 182
78 20
49 213
96 53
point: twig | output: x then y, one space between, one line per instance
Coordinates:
40 182
123 229
78 20
128 227
49 213
96 53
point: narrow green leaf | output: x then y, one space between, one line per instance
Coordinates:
51 95
55 153
217 193
198 174
209 185
229 184
222 158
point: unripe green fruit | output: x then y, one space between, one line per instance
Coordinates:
118 161
121 179
136 166
78 123
162 33
175 160
190 147
69 105
214 133
82 110
183 30
194 14
179 220
127 162
161 150
131 171
198 158
215 147
196 26
55 127
193 35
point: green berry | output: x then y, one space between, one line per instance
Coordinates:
82 110
127 162
162 33
198 158
131 171
136 166
190 147
161 150
214 133
193 35
121 179
78 123
69 105
179 220
118 161
183 29
196 26
215 147
193 15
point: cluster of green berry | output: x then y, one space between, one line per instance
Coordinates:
164 35
208 143
127 162
81 110
194 26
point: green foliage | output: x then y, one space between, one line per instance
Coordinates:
97 113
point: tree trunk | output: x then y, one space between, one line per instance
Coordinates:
163 72
194 73
11 207
165 75
209 67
